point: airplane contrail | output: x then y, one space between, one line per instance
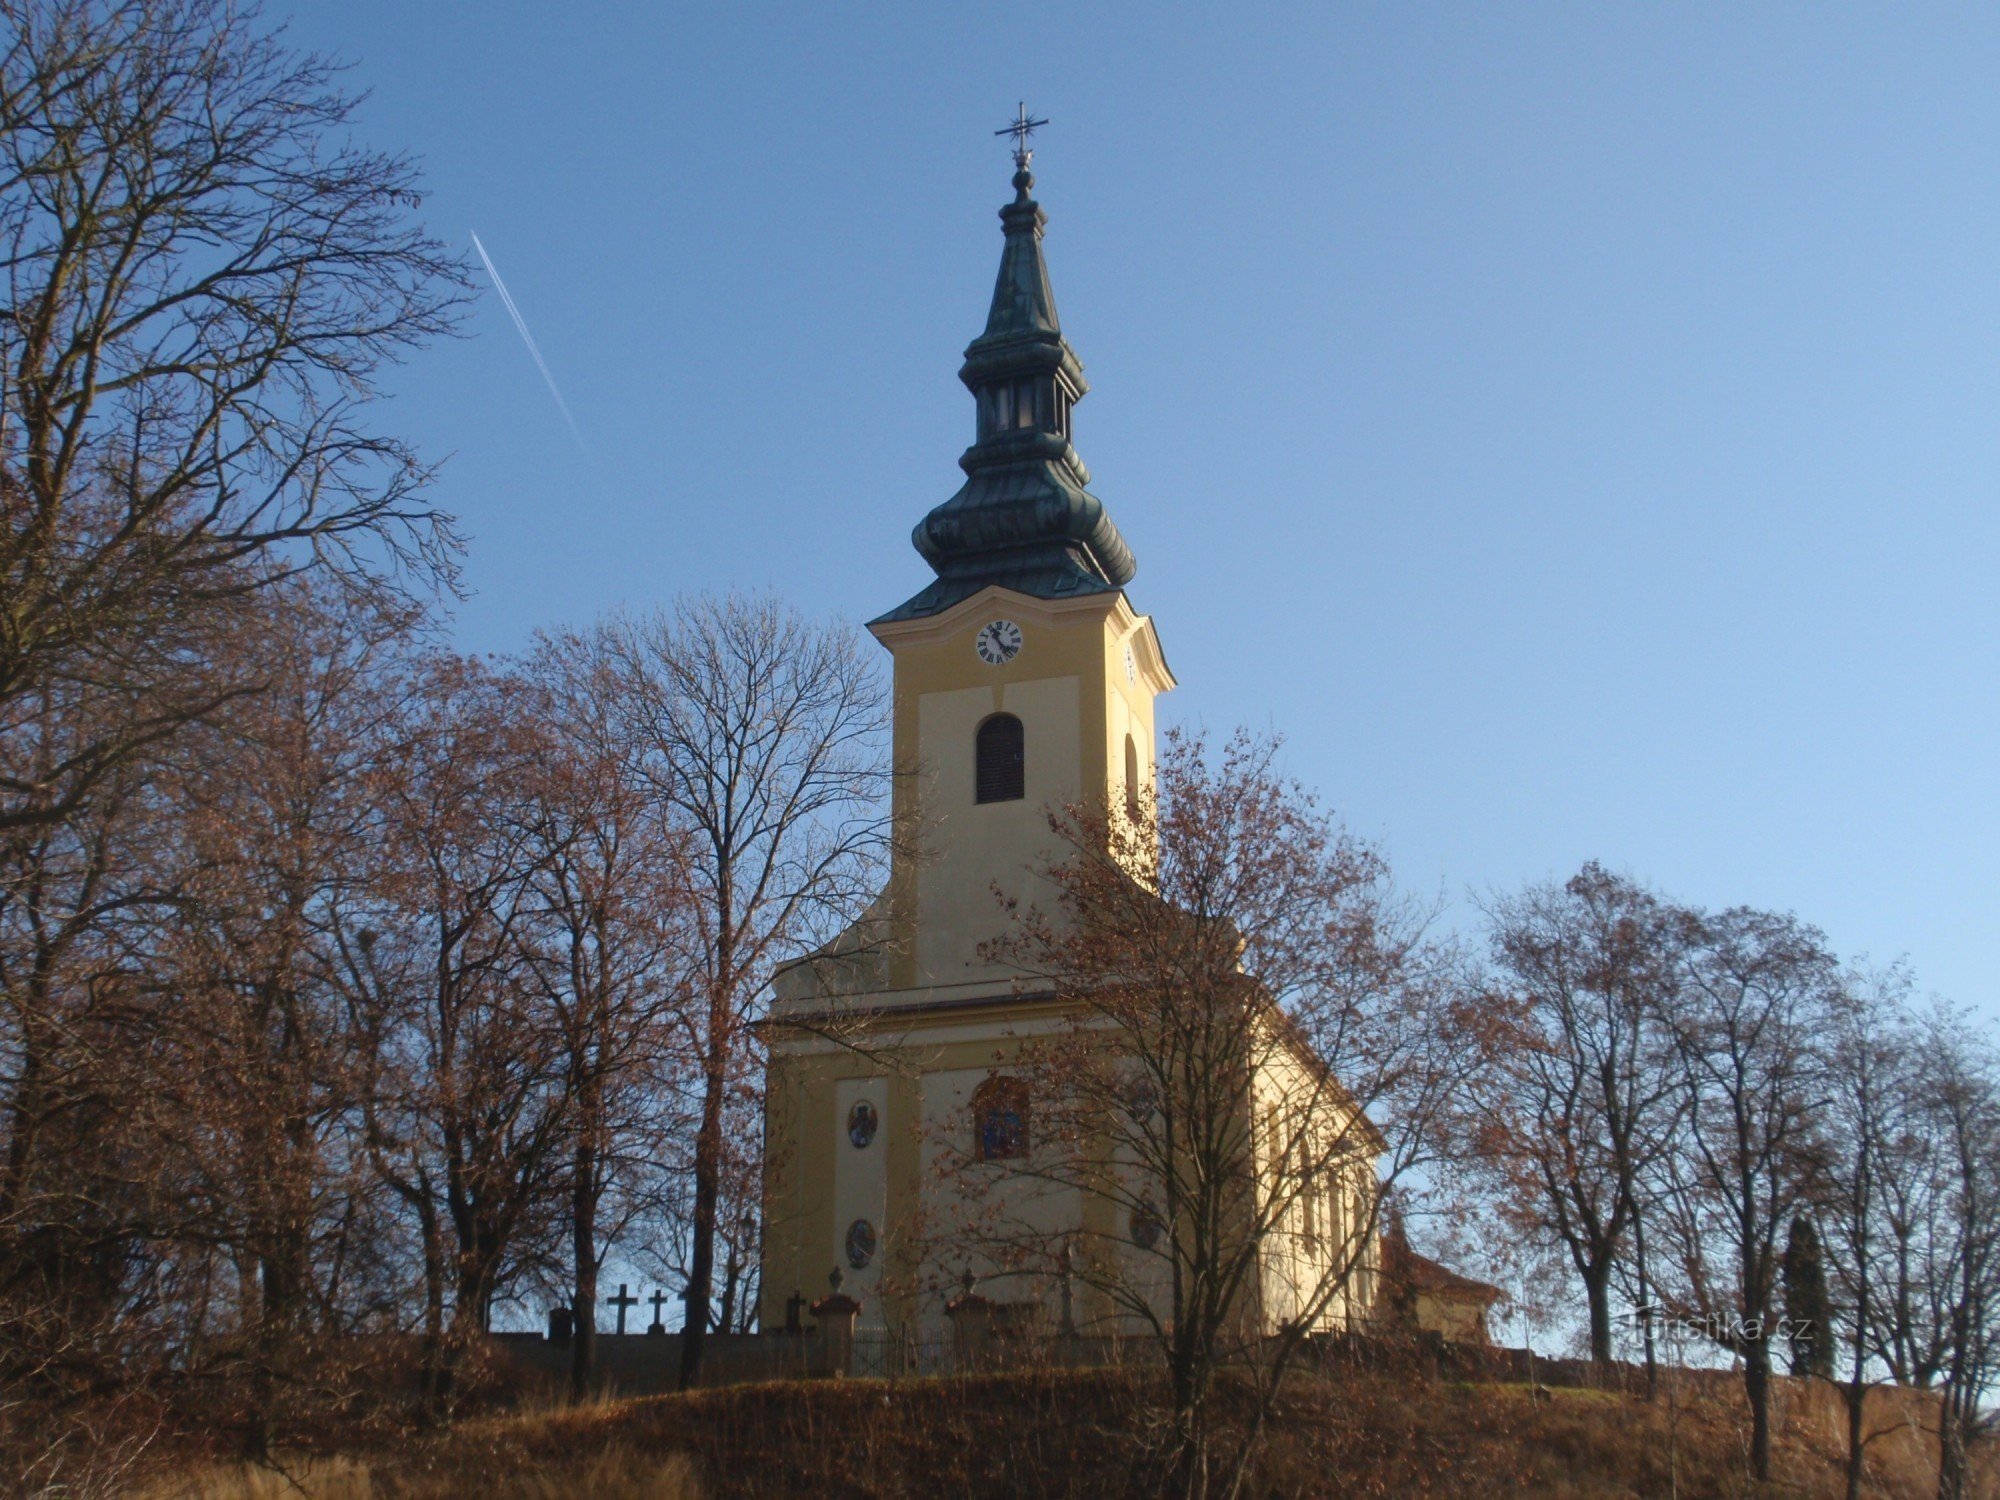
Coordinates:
521 327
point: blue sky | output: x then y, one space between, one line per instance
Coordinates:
1574 427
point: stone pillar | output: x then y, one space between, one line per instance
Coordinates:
971 1318
836 1313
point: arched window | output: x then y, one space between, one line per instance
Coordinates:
1132 778
1000 1120
1001 769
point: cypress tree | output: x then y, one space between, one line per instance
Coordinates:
1808 1306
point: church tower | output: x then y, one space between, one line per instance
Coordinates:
1024 681
1023 678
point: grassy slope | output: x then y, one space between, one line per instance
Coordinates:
1069 1434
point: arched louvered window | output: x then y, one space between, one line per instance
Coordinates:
1025 401
1131 778
1000 775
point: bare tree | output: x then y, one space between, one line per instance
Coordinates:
182 1195
465 1105
1944 1327
253 1091
765 737
1253 1032
1756 994
77 897
610 943
203 283
737 1216
737 1226
1580 1096
1873 1092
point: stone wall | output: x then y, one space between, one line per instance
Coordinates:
646 1364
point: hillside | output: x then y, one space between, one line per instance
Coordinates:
1075 1435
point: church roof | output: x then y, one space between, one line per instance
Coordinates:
1024 518
1405 1270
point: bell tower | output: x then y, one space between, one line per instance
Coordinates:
1024 680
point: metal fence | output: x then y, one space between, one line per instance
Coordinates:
896 1352
892 1352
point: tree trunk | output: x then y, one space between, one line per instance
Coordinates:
474 1303
434 1375
261 1395
1951 1445
1190 1480
585 1299
1855 1392
1597 1288
707 1193
708 1143
1757 1385
1855 1395
281 1253
731 1270
583 1252
1645 1305
1188 1475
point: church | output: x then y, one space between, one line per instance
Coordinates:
1024 680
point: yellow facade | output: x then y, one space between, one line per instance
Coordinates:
910 1012
908 1009
1077 702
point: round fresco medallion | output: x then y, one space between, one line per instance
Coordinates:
861 1122
860 1243
1146 1225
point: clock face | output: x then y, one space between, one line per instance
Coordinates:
1131 666
998 642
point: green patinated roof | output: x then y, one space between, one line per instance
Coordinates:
1024 518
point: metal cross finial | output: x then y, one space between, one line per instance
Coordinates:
1021 130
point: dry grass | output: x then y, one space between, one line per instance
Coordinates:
1077 1434
612 1473
319 1479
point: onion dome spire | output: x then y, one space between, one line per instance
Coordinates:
1023 518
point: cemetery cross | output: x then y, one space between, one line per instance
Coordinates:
623 1300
